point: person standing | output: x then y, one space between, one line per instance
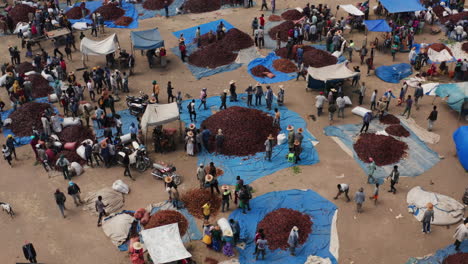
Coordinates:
183 51
60 200
219 139
88 154
198 37
293 240
373 100
319 102
206 134
29 252
359 198
166 9
370 170
375 195
432 118
461 233
96 152
211 179
331 111
223 100
269 97
261 244
74 191
389 95
249 91
201 174
366 121
258 94
63 163
428 217
10 143
100 208
203 97
261 37
273 6
276 119
340 102
269 147
156 91
363 54
239 184
7 154
191 110
244 197
226 196
342 188
170 96
235 230
297 149
394 177
291 135
409 104
126 163
232 91
418 93
362 92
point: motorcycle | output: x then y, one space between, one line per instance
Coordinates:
138 157
160 171
137 104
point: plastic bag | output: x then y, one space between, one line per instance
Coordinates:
121 187
76 167
281 138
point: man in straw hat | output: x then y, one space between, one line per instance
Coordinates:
137 253
213 182
226 197
428 217
232 91
461 233
201 173
269 97
298 135
219 141
291 135
223 100
269 144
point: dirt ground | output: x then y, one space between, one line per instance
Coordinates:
375 236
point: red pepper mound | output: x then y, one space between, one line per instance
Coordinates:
219 172
110 12
439 47
284 65
76 133
19 13
24 67
260 71
194 199
212 56
454 18
458 258
155 4
234 40
292 14
384 150
438 10
389 119
277 225
123 21
201 6
283 29
397 130
465 47
274 18
40 86
317 58
70 155
27 116
75 13
166 217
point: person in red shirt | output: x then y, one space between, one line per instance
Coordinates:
257 237
183 52
63 65
262 20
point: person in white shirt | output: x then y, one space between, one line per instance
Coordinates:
261 37
461 233
341 103
459 32
319 101
373 100
342 188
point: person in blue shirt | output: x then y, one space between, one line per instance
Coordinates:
366 121
206 134
300 55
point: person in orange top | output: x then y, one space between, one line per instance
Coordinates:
156 91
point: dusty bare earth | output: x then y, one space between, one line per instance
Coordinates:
375 236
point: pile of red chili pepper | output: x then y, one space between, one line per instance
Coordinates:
438 10
76 13
465 47
384 150
283 52
24 67
389 119
283 29
284 65
156 4
110 11
76 133
292 14
166 217
454 18
439 47
274 18
19 13
123 21
40 86
458 258
201 6
397 130
318 58
245 130
260 71
278 224
194 199
27 116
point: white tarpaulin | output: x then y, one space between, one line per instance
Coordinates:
352 10
164 243
441 56
159 114
332 72
101 47
117 227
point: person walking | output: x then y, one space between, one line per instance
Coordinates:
461 233
276 118
10 143
201 174
96 152
366 121
261 246
29 252
249 91
226 196
191 110
156 91
293 240
432 118
60 200
373 100
219 139
74 191
331 111
394 177
340 102
375 195
359 198
170 96
409 104
126 163
63 163
244 197
213 182
418 94
428 217
269 97
342 188
232 91
362 92
88 154
7 154
203 96
223 100
389 95
269 147
264 4
370 171
319 102
100 208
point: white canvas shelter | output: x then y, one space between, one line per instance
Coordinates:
331 72
159 114
100 47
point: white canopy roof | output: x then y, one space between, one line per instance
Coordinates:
101 47
352 10
158 114
164 243
332 72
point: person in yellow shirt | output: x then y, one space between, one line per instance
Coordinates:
206 210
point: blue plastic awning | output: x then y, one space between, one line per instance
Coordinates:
460 137
400 6
146 39
379 25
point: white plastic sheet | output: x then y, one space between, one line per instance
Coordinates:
352 10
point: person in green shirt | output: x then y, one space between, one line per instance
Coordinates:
371 169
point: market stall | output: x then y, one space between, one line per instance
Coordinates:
150 41
159 114
318 77
98 47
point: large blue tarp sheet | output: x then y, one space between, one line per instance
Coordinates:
440 255
400 6
305 201
419 159
460 137
268 63
378 25
126 118
457 94
251 168
393 73
147 39
129 8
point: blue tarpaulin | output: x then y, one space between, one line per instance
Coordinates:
308 202
92 6
253 167
146 39
379 25
457 94
419 159
268 63
440 255
393 73
126 118
460 137
400 6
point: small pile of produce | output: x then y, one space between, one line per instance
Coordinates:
283 29
278 224
397 130
389 119
76 13
465 47
166 217
24 67
123 21
110 11
284 65
201 6
194 199
236 40
245 130
156 4
27 116
458 258
76 133
40 86
317 58
212 56
454 18
439 47
19 13
70 155
274 18
219 172
292 14
438 10
384 150
260 71
283 52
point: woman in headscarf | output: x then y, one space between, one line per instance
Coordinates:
190 142
228 241
216 239
293 240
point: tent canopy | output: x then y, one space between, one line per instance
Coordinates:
379 25
460 137
457 94
101 47
332 72
158 114
164 243
352 10
400 6
146 39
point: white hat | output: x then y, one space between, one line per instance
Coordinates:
232 81
137 245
